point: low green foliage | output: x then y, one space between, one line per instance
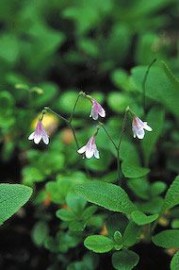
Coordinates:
106 195
56 58
175 261
12 198
125 260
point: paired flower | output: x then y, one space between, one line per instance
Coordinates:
90 149
39 134
96 110
138 127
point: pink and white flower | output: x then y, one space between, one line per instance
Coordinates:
97 110
39 134
138 127
90 149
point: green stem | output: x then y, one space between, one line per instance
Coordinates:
74 107
123 127
119 145
58 115
74 135
108 135
67 122
119 169
144 84
117 151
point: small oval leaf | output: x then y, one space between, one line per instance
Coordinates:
99 243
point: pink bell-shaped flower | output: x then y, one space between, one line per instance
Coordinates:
90 149
39 134
138 128
97 110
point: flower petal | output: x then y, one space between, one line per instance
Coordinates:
147 127
140 133
82 150
45 138
96 154
102 112
94 114
89 153
31 136
37 138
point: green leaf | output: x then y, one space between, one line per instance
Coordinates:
129 153
99 243
159 86
88 212
139 187
102 164
125 260
9 49
75 202
118 240
65 215
118 102
175 261
40 233
67 99
77 226
157 188
6 103
120 79
167 239
49 92
131 234
118 237
133 171
175 224
141 219
172 195
153 206
107 195
89 47
12 197
155 119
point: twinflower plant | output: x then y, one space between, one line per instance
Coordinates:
126 145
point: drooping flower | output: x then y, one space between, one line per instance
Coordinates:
138 127
39 134
96 110
90 149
